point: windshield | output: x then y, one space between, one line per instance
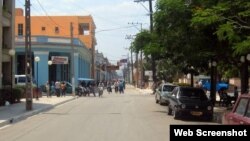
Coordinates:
22 79
168 88
193 93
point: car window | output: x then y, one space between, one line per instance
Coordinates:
248 111
241 107
174 92
168 88
21 79
193 93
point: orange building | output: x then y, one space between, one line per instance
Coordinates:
83 28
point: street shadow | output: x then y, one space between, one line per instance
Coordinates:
160 112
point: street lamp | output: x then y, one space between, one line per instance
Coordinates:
11 53
37 59
49 63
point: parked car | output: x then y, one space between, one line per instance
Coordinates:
163 92
240 113
190 102
20 80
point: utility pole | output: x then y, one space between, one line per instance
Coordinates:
151 30
72 64
28 57
141 63
130 37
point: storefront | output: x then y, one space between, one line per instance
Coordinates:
52 59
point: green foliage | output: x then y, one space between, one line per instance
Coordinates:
242 47
204 17
226 32
193 35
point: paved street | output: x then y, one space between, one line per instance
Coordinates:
133 116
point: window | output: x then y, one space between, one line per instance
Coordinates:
84 29
248 111
20 29
43 28
168 88
56 29
241 107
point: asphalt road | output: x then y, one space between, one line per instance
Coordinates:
114 117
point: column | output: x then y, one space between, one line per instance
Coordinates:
43 68
84 68
80 66
76 67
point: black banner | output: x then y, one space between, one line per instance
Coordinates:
199 132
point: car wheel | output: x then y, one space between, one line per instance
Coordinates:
169 112
167 103
156 100
160 102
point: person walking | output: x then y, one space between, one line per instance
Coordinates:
57 87
109 88
116 86
47 86
100 89
63 89
121 88
52 88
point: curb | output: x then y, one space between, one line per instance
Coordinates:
31 113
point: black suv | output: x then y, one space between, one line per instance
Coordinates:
190 102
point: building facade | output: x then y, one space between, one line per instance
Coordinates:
60 26
7 36
105 71
57 51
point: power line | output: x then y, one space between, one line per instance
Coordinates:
113 29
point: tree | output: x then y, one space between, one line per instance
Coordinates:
229 22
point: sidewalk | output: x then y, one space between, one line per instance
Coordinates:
16 112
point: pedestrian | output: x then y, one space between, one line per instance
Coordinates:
109 88
52 88
63 89
57 87
121 89
116 86
100 89
47 86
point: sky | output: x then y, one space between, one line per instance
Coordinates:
113 19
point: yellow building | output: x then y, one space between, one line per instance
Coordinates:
59 26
